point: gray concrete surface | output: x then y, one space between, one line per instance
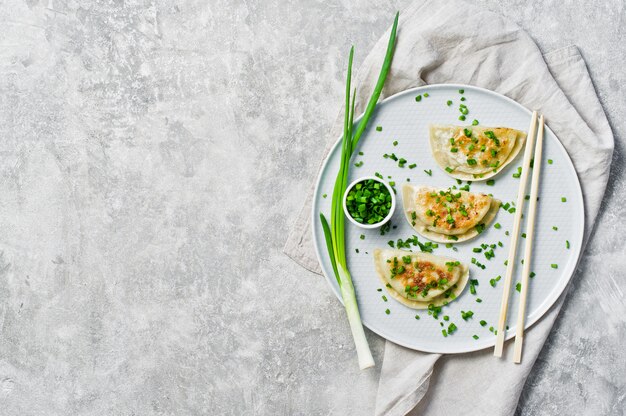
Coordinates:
153 157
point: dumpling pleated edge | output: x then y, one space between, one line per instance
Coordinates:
421 229
414 304
520 140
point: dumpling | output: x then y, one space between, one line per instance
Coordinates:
447 215
420 279
472 152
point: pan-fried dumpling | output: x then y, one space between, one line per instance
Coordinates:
420 279
473 152
447 215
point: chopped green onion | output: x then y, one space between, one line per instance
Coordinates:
549 161
418 98
449 103
554 266
563 199
567 244
387 311
461 91
497 226
379 128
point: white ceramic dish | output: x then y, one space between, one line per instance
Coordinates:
405 120
378 224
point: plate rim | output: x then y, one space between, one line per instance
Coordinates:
548 302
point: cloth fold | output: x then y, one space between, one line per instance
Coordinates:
453 41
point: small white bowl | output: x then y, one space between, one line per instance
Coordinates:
378 224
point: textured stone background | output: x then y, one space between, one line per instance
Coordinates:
153 157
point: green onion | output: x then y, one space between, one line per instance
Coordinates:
379 128
417 317
475 123
335 233
324 196
563 199
387 311
475 336
426 95
461 91
449 103
418 98
567 244
429 172
491 182
518 287
462 117
549 161
449 169
395 142
554 266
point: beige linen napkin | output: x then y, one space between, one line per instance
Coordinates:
455 42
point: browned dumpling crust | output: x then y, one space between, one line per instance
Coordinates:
420 279
474 152
447 215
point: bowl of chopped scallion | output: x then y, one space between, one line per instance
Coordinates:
369 202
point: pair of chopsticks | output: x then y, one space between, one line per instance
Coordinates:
530 226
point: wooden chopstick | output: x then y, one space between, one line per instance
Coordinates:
504 305
528 247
